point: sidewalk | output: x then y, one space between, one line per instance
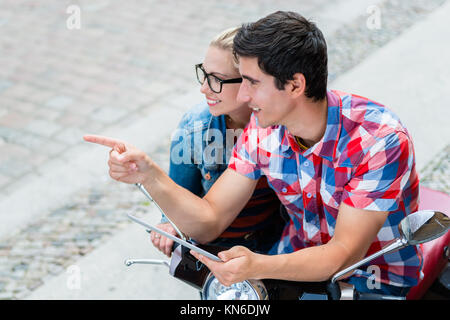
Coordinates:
79 175
411 75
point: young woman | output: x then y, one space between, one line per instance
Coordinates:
216 124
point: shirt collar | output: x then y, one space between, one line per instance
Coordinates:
326 147
215 122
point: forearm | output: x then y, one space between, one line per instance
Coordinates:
348 245
318 263
192 214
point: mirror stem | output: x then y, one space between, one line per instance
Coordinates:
395 245
149 197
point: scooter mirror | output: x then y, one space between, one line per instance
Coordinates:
416 228
423 226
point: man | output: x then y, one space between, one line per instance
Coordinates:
342 165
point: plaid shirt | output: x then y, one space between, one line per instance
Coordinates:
365 159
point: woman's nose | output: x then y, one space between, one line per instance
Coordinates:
205 87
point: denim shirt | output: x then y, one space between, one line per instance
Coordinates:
199 153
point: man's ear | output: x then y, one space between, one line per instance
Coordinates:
297 85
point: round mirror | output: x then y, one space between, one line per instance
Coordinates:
423 226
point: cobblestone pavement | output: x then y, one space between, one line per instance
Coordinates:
436 174
56 84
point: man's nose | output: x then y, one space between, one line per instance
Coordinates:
243 95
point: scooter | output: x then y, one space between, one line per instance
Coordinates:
420 228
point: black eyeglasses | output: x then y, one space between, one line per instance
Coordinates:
214 83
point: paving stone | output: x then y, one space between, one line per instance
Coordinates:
25 107
22 138
14 119
47 114
19 90
6 295
70 136
43 128
14 167
59 102
4 180
5 84
108 115
70 119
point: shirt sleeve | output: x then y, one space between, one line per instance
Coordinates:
244 158
382 175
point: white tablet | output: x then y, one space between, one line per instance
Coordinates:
176 239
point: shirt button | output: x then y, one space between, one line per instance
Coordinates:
309 195
284 190
306 164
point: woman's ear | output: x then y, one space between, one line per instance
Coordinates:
297 84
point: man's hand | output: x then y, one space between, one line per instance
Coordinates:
126 163
239 264
162 243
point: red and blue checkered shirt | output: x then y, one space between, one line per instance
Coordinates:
365 159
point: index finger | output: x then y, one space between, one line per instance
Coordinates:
211 264
105 141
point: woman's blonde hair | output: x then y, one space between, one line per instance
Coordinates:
224 41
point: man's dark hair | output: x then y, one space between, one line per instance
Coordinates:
286 43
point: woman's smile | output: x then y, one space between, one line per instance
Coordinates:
212 102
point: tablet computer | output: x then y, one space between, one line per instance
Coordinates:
176 239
